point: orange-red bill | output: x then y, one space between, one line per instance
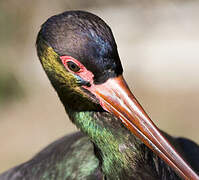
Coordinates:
115 97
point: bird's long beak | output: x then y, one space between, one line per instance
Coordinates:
116 98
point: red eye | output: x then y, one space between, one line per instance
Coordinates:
72 66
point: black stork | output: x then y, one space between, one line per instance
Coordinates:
118 140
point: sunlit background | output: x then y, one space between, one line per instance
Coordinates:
158 42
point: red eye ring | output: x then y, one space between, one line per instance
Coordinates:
78 68
72 64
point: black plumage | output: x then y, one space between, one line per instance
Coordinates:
87 38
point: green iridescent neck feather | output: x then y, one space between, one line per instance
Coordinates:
116 147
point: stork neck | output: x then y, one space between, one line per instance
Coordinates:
118 150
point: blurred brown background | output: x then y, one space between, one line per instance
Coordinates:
158 43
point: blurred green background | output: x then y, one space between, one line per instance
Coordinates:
158 44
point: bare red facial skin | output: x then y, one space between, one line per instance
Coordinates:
83 72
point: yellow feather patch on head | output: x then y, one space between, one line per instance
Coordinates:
51 64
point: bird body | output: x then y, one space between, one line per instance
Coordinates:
60 160
75 157
117 140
